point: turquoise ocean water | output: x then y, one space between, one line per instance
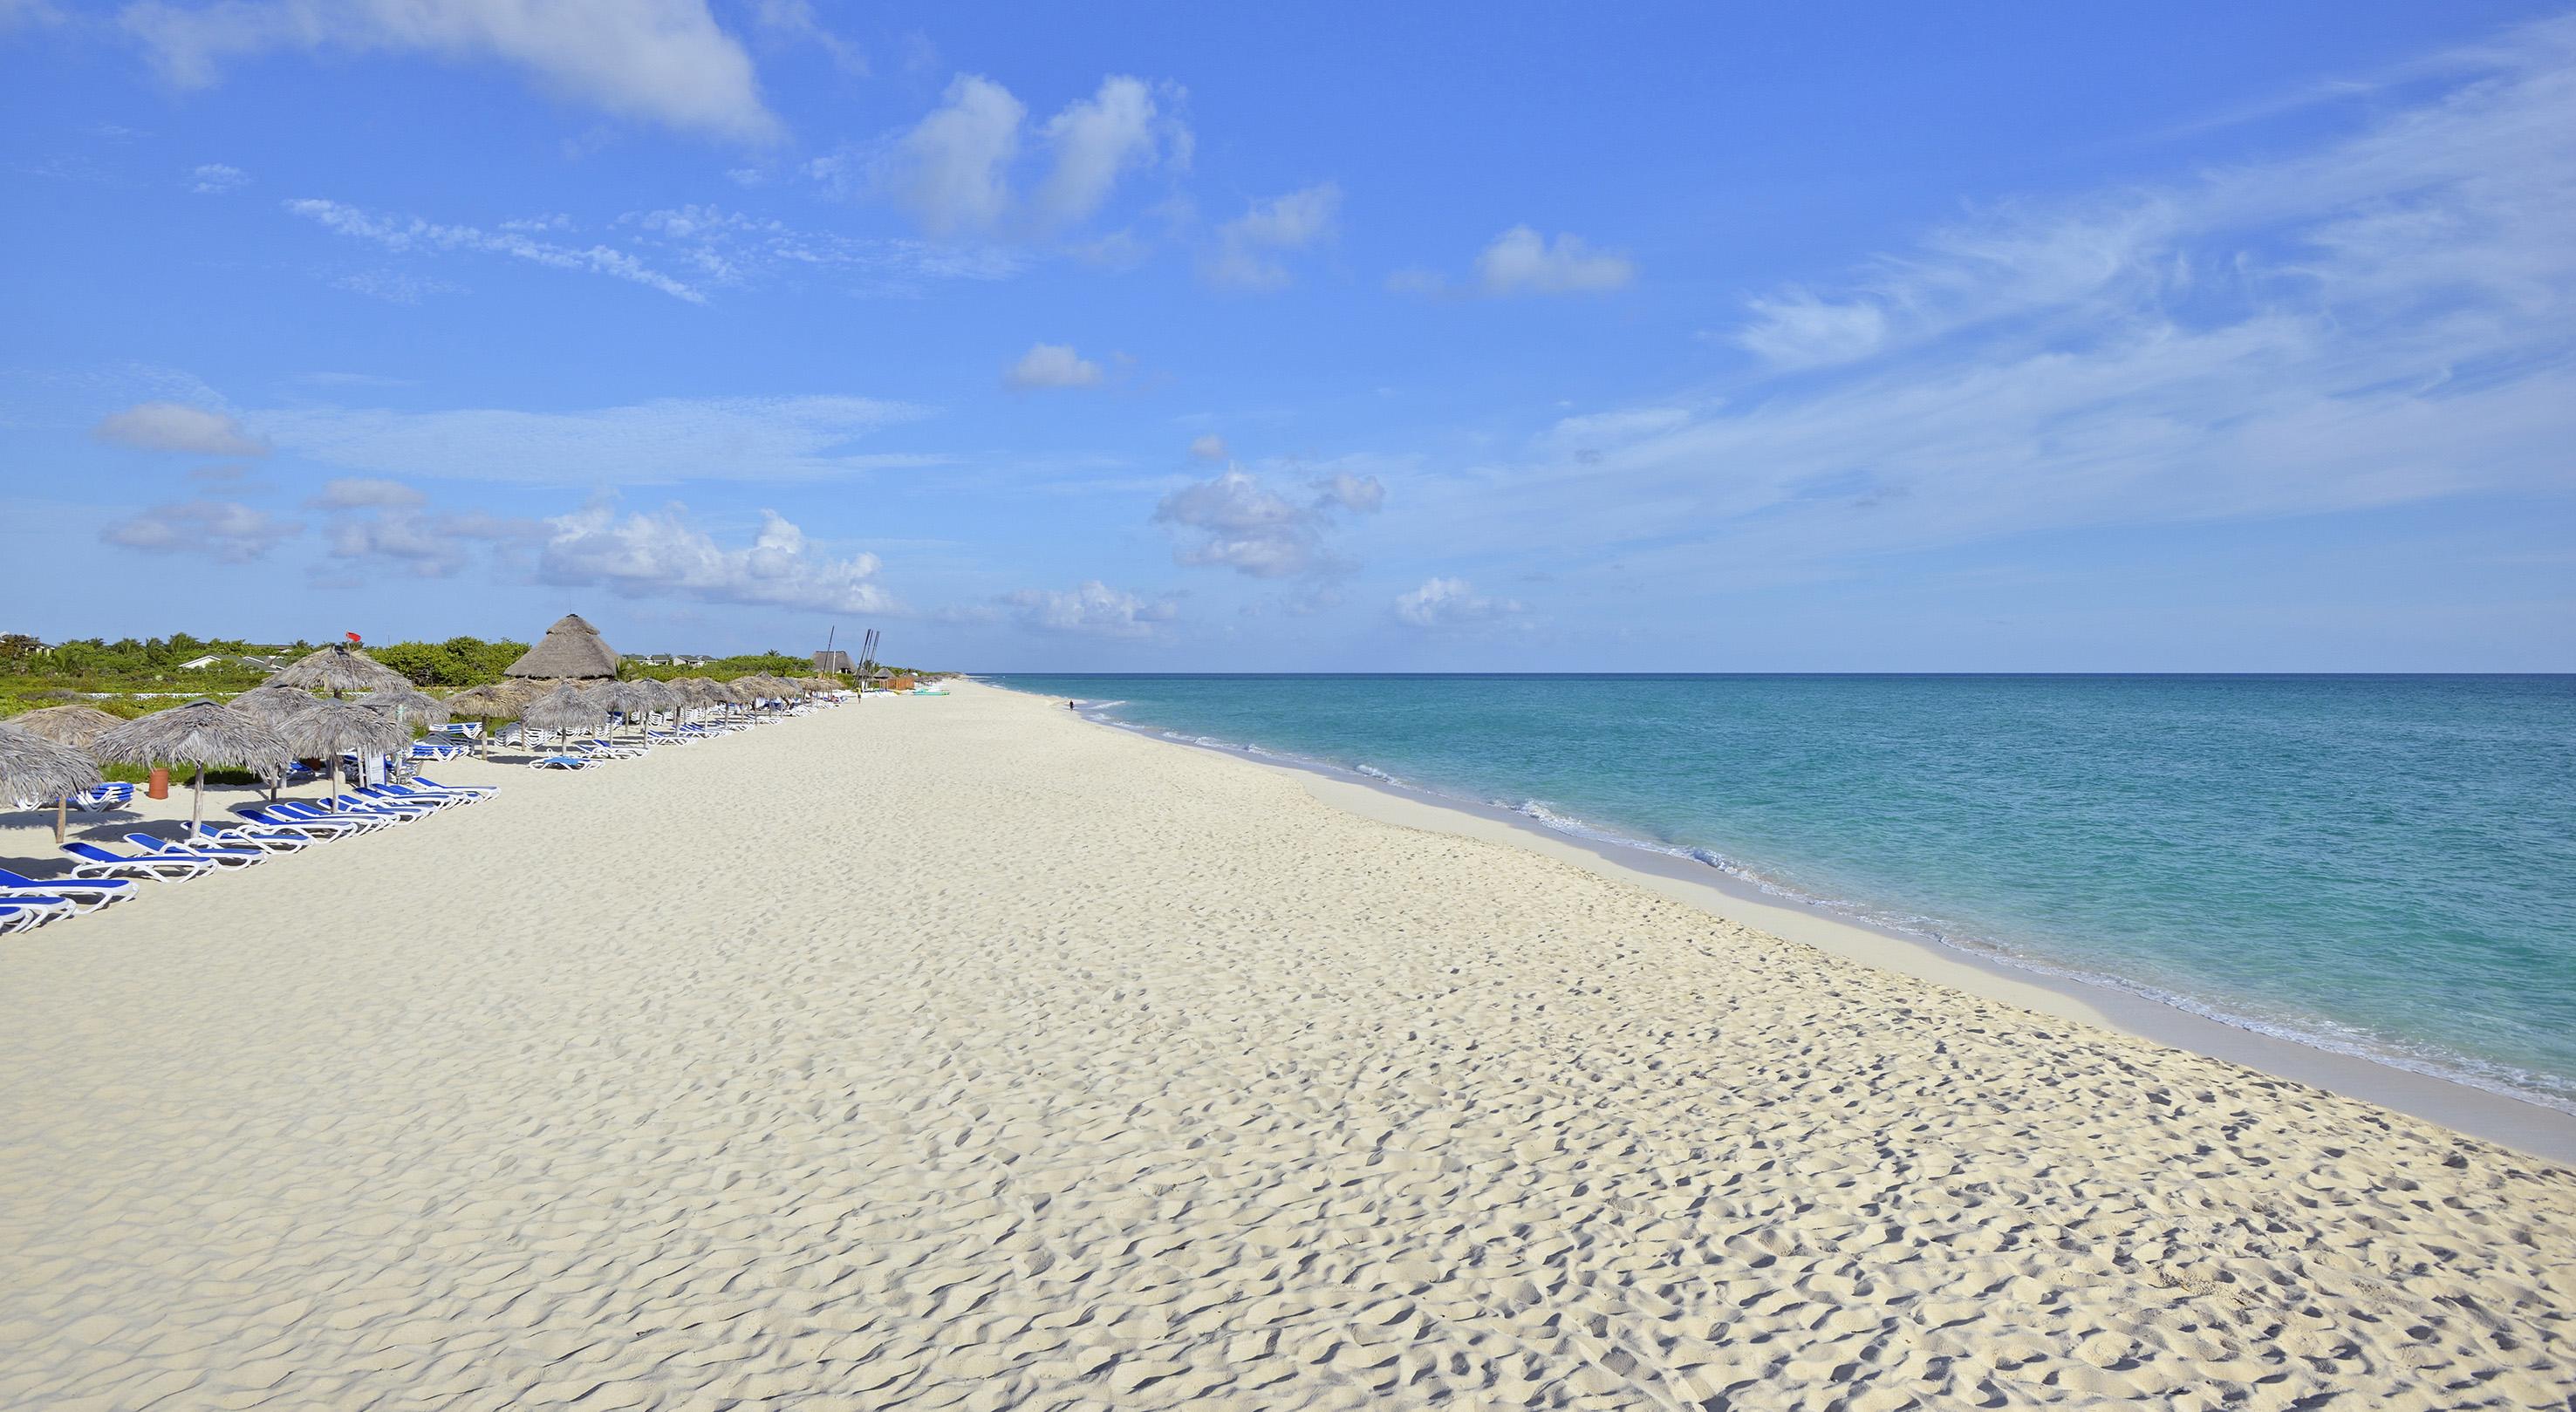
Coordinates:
2376 865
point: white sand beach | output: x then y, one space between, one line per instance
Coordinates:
1102 1072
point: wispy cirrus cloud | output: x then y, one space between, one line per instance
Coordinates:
2381 319
408 234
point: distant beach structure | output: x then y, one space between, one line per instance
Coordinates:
572 649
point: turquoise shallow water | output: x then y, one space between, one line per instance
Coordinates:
2378 865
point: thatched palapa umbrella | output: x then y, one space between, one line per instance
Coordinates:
66 725
407 701
564 709
35 768
274 703
339 668
487 704
201 734
324 729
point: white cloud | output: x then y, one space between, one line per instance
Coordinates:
1052 365
952 170
1094 142
406 234
731 248
1447 603
1795 329
169 426
420 543
1236 522
795 21
666 61
1520 262
650 443
1249 246
353 492
224 530
394 286
1210 447
662 555
1093 609
215 179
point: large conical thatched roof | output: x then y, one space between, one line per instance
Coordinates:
65 725
200 733
34 768
339 667
571 648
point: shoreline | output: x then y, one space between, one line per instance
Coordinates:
2488 1114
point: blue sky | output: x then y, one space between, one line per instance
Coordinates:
1373 338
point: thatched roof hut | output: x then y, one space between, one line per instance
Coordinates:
65 725
571 649
34 769
339 668
201 734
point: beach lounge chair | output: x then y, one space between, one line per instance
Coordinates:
251 834
100 798
356 807
435 750
82 896
559 762
291 811
221 857
25 912
97 862
399 798
476 791
315 829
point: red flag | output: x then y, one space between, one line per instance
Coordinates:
354 638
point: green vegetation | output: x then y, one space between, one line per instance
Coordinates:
131 676
459 661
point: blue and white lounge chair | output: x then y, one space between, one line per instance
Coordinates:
389 795
97 862
293 811
24 912
250 833
83 896
559 762
100 798
158 847
423 784
315 830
